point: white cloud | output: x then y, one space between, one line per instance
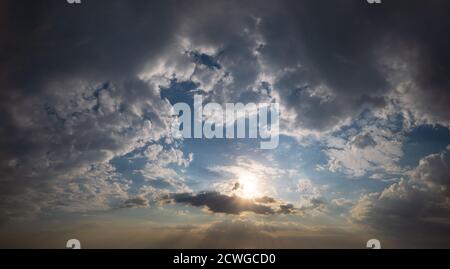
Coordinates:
374 149
342 202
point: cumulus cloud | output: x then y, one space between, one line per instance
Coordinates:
328 80
417 205
415 70
60 139
76 103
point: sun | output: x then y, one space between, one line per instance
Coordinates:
249 185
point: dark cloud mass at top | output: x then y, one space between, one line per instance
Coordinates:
82 86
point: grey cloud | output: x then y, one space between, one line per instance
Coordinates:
72 131
205 59
136 202
370 147
287 209
70 100
417 206
59 139
364 141
236 186
233 205
96 189
265 200
315 203
297 41
100 40
220 203
321 69
339 47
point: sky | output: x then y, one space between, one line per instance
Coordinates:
86 109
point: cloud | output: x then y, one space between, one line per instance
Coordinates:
363 141
415 68
161 167
78 94
323 82
417 206
326 82
82 46
75 104
97 189
219 203
266 200
366 149
136 202
342 202
61 138
311 199
234 205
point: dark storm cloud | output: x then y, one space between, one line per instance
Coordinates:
338 47
98 40
331 51
233 205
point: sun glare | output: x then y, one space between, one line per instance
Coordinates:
249 185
